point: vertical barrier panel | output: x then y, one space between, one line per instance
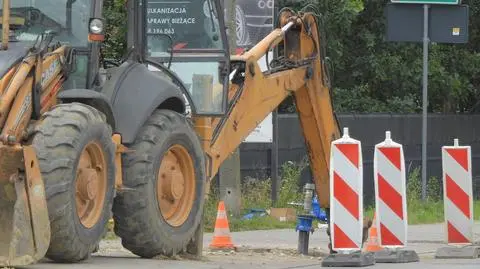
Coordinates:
346 194
390 193
457 194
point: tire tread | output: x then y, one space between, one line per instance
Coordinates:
56 141
131 208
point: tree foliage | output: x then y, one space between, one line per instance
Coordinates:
368 73
115 14
372 75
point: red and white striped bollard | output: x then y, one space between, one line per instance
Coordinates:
458 203
457 195
346 189
391 202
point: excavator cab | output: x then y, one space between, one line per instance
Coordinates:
74 23
47 46
190 40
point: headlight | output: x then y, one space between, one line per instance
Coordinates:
96 26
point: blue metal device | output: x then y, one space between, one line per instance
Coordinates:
305 219
317 211
304 223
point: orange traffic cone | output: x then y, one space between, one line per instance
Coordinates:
373 244
221 236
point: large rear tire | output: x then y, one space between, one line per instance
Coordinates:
76 156
164 180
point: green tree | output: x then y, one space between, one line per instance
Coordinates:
372 75
115 14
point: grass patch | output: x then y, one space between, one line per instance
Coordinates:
263 223
476 210
432 212
432 209
425 212
429 212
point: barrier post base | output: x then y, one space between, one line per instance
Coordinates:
355 259
463 252
396 256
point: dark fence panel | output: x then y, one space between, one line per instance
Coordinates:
370 130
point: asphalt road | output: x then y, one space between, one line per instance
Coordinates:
268 249
241 261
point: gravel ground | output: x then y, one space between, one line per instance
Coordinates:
267 249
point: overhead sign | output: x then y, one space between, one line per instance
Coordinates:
428 2
448 24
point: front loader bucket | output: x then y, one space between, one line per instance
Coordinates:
24 223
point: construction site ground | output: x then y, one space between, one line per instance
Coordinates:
269 249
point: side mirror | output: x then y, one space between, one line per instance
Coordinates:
96 30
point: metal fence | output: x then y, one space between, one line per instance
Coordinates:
370 130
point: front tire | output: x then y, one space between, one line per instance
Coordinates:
164 179
76 156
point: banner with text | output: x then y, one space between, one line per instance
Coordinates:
175 18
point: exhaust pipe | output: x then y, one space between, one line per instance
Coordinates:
5 24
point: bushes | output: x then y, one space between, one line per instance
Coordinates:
419 211
256 194
414 187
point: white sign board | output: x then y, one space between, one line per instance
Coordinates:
264 131
254 22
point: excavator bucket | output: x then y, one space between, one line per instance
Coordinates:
24 223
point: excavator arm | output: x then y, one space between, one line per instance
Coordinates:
299 71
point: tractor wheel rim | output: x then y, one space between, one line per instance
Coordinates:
176 185
239 24
91 184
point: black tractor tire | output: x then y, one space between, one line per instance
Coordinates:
136 211
59 141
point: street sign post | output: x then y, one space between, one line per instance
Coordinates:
425 100
448 15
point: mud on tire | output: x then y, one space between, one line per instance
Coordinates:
138 219
59 141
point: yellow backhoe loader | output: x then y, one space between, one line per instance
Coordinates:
83 138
